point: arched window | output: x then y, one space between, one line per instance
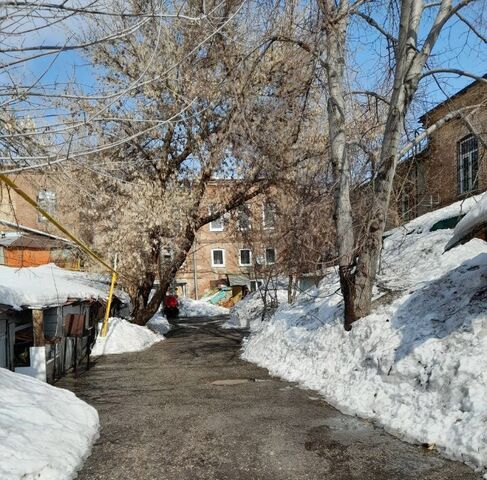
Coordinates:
468 164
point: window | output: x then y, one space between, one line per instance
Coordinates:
405 207
218 257
243 218
255 285
269 215
270 256
46 199
216 225
468 164
245 258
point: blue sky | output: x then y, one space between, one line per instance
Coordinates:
455 49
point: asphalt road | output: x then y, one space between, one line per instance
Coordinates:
189 408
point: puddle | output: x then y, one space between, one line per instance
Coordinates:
233 381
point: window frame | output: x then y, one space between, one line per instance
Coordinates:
46 199
272 206
467 163
258 282
265 256
405 207
217 265
244 211
219 219
240 264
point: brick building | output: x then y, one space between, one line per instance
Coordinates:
237 248
38 240
450 165
42 188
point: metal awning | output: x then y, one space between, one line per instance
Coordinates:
238 280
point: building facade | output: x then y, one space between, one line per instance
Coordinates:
450 165
26 237
238 248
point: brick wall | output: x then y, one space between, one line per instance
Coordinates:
14 208
231 240
429 180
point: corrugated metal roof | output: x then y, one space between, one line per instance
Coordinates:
23 240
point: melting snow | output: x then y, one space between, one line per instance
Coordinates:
418 364
124 337
200 308
45 432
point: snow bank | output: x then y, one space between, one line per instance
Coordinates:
418 364
248 312
199 308
159 324
48 285
124 337
45 432
475 218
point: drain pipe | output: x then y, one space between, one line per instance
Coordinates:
195 276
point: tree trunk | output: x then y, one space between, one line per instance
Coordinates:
336 31
38 328
140 299
167 274
405 84
290 289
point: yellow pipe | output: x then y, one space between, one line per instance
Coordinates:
52 220
104 328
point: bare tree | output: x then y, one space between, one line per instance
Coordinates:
224 98
412 45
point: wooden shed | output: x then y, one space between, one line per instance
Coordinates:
49 319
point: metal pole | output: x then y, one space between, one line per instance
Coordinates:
195 275
104 328
52 220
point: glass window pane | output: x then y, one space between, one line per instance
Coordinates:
244 257
217 257
270 255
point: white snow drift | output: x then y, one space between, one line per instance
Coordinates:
248 312
418 364
124 337
159 324
49 285
45 432
200 308
475 218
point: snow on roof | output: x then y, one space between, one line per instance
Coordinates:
49 286
18 226
475 218
425 222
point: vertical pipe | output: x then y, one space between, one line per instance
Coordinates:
195 275
104 329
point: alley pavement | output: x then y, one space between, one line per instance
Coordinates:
189 408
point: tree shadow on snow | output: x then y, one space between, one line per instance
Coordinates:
443 306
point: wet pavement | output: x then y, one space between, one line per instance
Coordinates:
190 408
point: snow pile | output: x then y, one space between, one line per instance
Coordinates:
159 324
199 308
45 432
248 312
48 285
475 218
124 337
418 364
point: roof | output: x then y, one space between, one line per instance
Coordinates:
18 226
449 99
238 280
23 240
50 286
